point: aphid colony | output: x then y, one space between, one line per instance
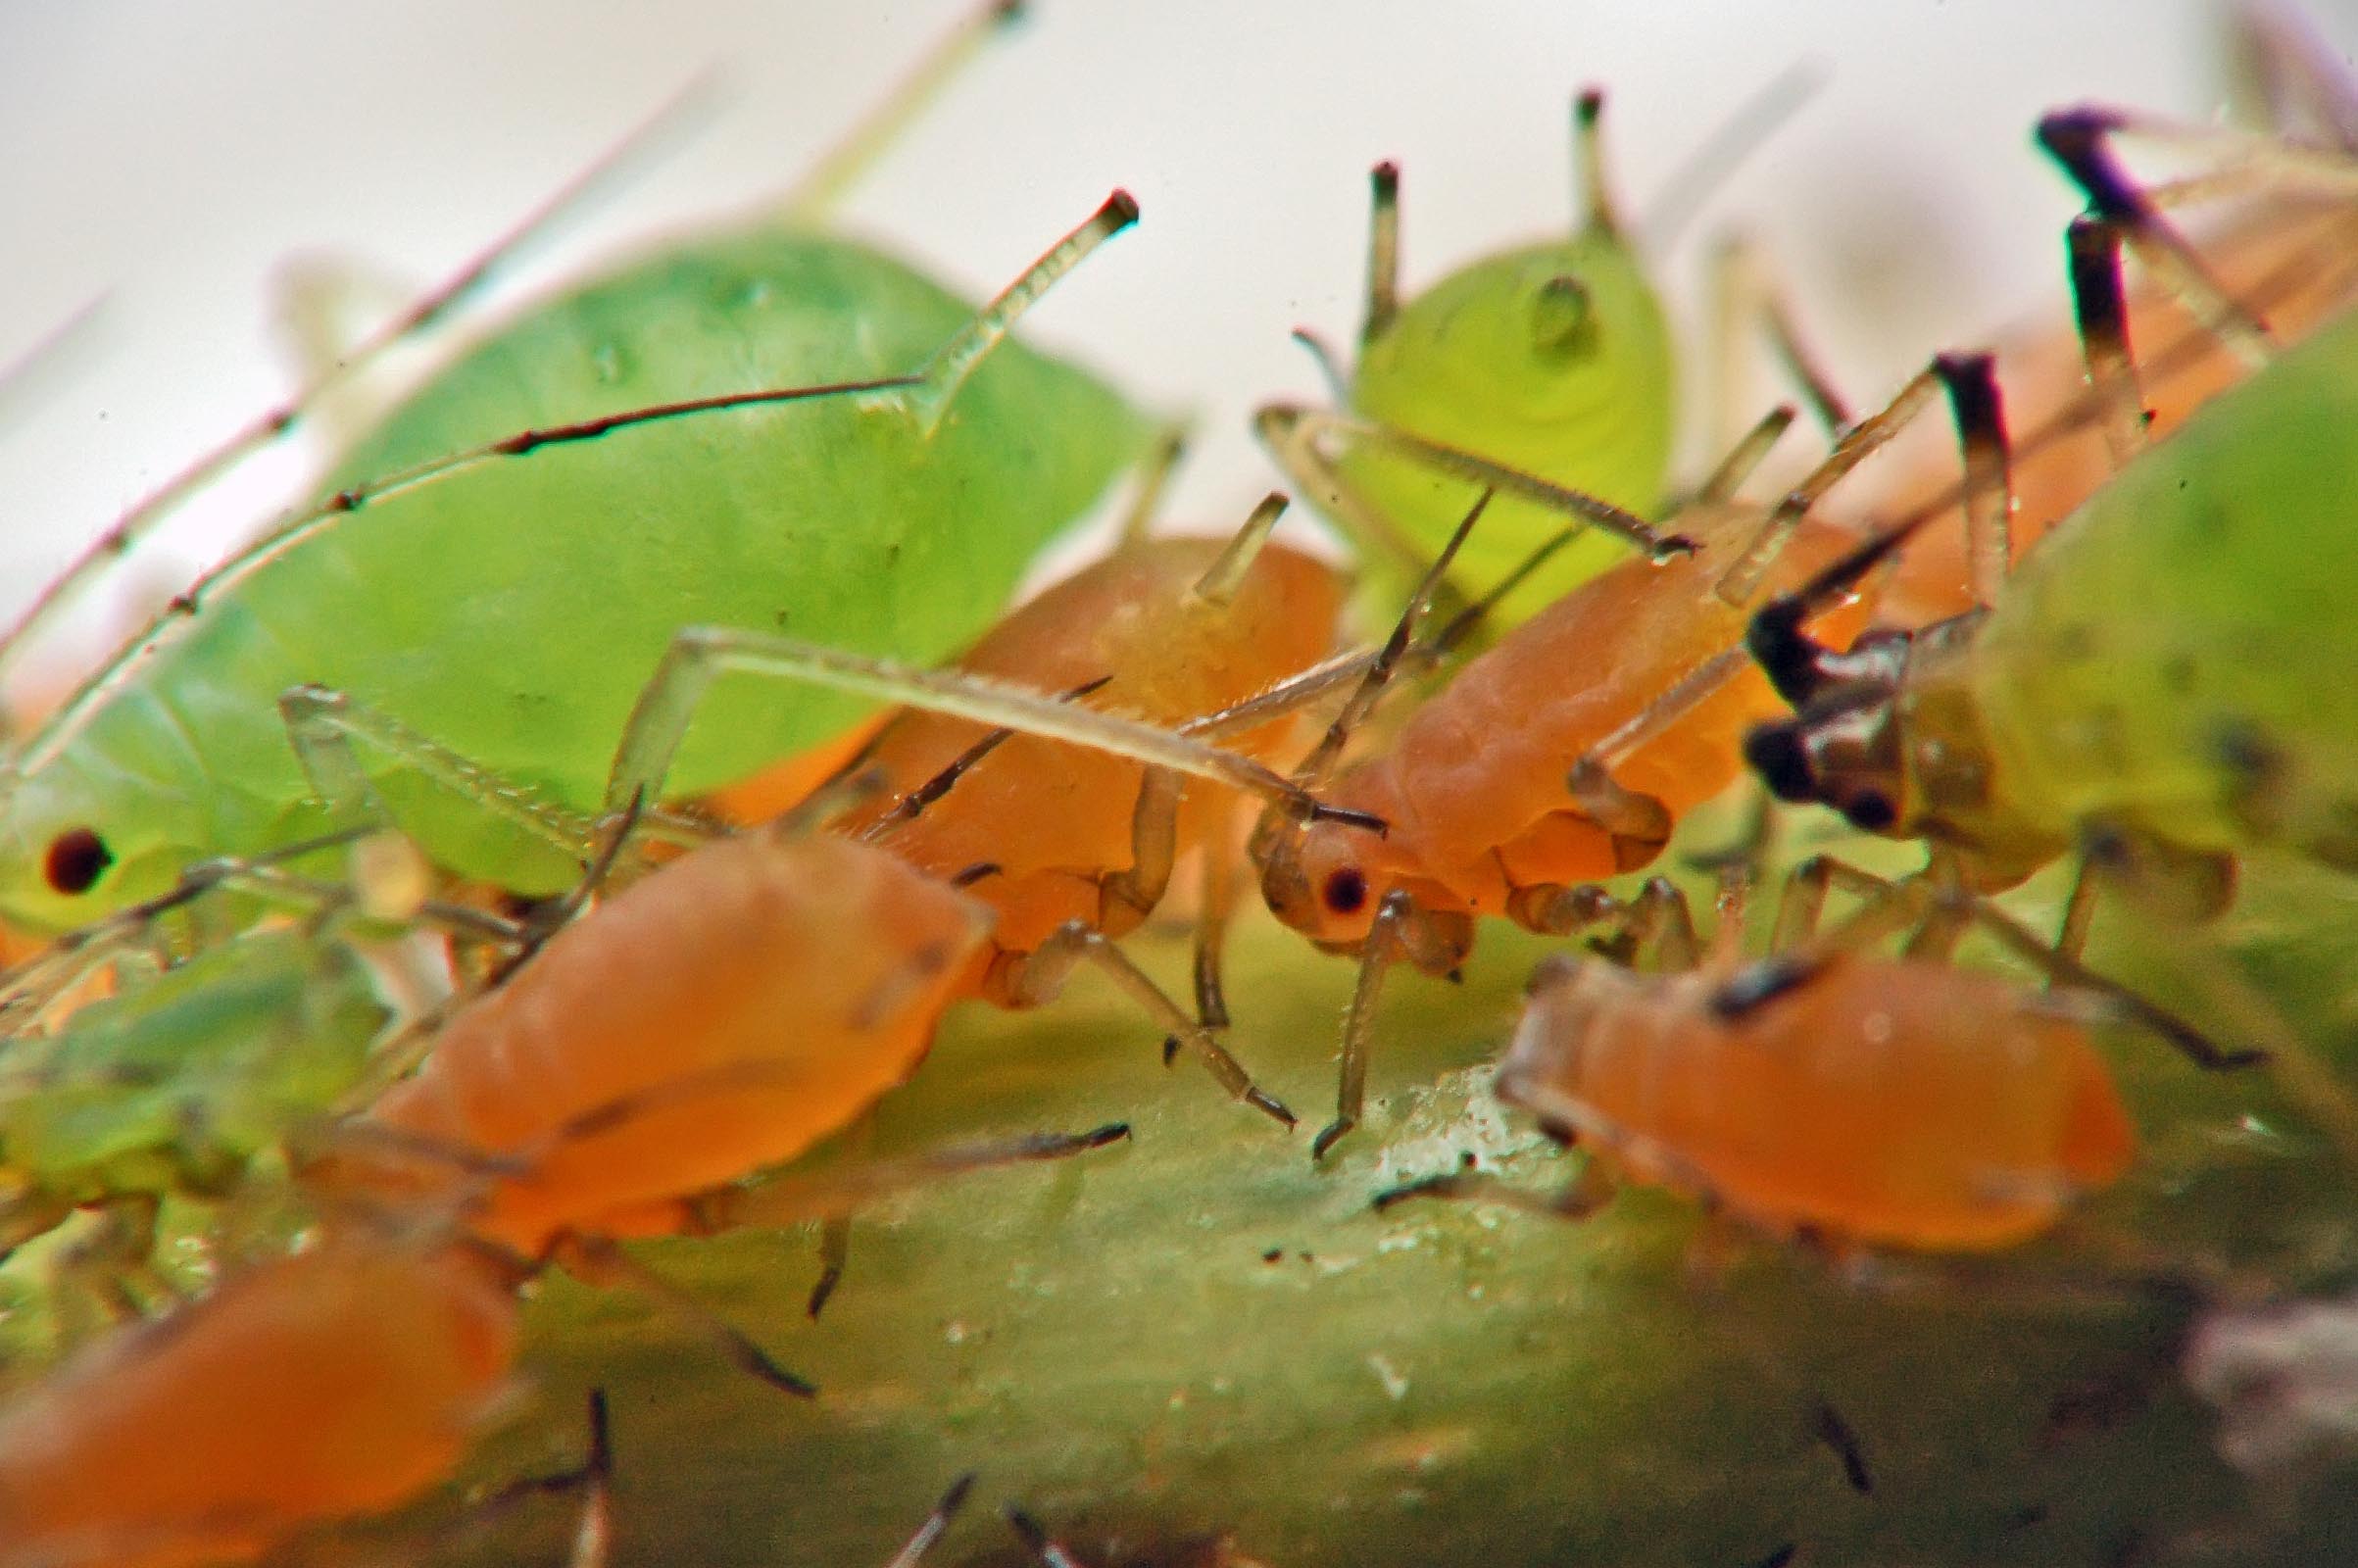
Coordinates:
449 929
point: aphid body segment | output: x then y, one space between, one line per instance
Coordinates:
719 1016
489 577
1174 629
330 1384
1888 1102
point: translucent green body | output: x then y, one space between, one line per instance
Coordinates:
180 1082
1498 359
512 610
2181 655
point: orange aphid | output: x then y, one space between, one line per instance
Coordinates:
1173 629
722 1015
1862 1100
330 1384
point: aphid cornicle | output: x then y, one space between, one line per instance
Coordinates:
508 554
2131 680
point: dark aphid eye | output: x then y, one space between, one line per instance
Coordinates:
78 857
1564 319
1870 810
1345 891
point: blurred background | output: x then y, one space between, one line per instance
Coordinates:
172 157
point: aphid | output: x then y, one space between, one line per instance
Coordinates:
176 1085
1560 756
511 551
1823 1093
1549 362
325 1385
1074 846
721 1016
2130 683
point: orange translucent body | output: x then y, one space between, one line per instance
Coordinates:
1474 785
722 1015
330 1384
2293 260
1055 818
1893 1102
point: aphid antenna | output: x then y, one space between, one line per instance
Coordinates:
936 1525
1743 579
1221 581
797 1197
1704 172
817 195
54 353
653 135
1315 768
1329 364
913 805
2296 66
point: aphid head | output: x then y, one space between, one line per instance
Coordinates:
1320 879
65 860
1842 753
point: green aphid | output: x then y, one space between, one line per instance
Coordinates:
503 571
175 1086
2167 674
1552 359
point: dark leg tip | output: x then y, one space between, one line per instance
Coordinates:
1170 1049
1270 1106
1330 1134
823 1291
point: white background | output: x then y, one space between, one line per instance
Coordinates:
171 154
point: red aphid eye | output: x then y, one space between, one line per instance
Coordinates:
78 857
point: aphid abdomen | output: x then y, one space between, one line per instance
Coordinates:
1895 1104
2171 658
721 1016
333 1382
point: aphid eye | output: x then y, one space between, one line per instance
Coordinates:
1870 810
78 857
1563 318
1345 891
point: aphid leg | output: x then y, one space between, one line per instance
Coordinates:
835 1231
1154 845
1748 298
1041 975
929 398
1399 931
1659 918
598 1261
117 1254
2100 307
1639 823
700 655
2078 911
1383 251
936 1525
815 196
1314 768
1153 480
1583 1195
1045 1549
324 726
2082 141
799 1196
1217 887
